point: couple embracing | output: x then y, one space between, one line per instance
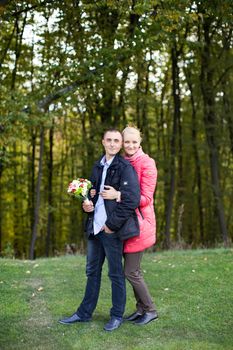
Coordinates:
121 222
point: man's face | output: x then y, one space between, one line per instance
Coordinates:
112 143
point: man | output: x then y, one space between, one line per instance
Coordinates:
109 222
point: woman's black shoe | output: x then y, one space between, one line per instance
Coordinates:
133 316
146 318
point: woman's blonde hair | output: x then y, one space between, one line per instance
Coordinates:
133 130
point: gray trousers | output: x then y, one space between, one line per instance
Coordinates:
134 276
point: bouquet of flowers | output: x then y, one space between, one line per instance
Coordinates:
79 188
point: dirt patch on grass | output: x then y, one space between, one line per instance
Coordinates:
39 313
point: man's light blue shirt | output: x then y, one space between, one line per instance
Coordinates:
100 215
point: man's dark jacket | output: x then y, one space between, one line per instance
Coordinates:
121 216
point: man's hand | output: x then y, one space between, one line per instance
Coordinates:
88 207
107 230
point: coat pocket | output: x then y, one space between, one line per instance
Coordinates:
130 228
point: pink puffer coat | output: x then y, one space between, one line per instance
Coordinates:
147 175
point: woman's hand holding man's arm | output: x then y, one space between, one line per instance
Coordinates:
109 192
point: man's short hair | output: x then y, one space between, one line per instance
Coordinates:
111 130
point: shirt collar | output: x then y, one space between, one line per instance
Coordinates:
103 161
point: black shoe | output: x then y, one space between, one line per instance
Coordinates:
146 318
72 319
112 324
133 316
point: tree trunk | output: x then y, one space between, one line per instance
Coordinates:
207 88
120 110
138 100
145 122
37 205
227 87
125 63
2 151
50 192
173 151
196 155
31 180
107 21
162 145
18 45
1 212
17 209
17 222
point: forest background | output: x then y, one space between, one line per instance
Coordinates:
70 69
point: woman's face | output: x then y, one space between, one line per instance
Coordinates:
131 143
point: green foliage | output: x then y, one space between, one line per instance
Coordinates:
75 68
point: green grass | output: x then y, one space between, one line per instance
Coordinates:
192 291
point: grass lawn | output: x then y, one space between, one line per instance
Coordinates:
193 291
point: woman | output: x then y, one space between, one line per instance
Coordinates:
134 247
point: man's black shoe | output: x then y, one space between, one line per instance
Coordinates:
133 316
72 319
112 324
146 318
